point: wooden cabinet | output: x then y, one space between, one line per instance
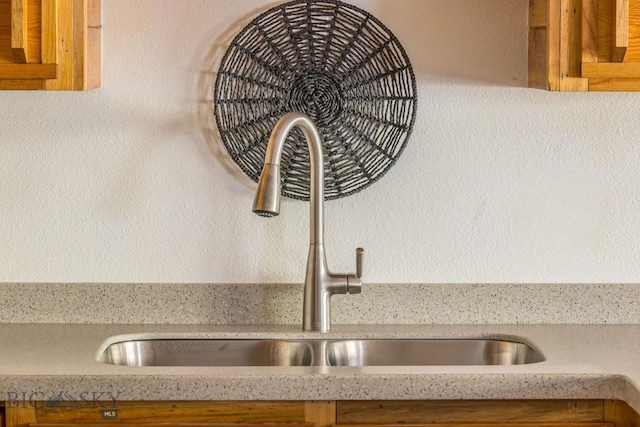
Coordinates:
50 44
517 413
580 45
164 414
433 413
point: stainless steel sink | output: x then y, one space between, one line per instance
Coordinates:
318 352
430 352
208 352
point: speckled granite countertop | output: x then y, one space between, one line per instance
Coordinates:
582 361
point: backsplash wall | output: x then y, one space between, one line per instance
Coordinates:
244 304
498 184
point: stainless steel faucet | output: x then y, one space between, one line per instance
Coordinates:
319 284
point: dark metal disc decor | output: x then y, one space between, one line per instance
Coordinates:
334 62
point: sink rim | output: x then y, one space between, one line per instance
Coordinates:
532 354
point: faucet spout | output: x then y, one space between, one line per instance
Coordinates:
320 283
268 194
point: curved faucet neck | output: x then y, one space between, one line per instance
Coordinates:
316 159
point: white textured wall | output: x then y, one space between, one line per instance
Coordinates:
499 183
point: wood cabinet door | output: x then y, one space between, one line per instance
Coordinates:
495 424
611 42
474 413
584 45
28 43
50 44
88 413
480 413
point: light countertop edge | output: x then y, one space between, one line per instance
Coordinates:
40 361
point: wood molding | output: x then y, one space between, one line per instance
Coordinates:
19 31
28 71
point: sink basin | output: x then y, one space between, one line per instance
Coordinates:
208 352
430 352
318 352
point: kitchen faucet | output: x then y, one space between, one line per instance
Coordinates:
319 284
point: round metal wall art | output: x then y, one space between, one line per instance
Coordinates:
334 62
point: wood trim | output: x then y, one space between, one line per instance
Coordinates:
79 44
620 413
620 30
537 13
34 29
87 40
489 425
79 40
19 31
191 412
590 45
633 52
614 85
28 71
49 22
60 41
64 44
19 416
571 46
161 424
574 84
553 43
605 29
320 413
477 411
36 84
93 47
589 31
538 44
611 70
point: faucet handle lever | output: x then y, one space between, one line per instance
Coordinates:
359 261
354 281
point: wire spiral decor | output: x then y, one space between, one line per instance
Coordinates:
334 62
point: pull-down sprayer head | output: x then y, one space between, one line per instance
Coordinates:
267 200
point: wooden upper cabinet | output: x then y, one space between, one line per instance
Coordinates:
50 44
584 45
